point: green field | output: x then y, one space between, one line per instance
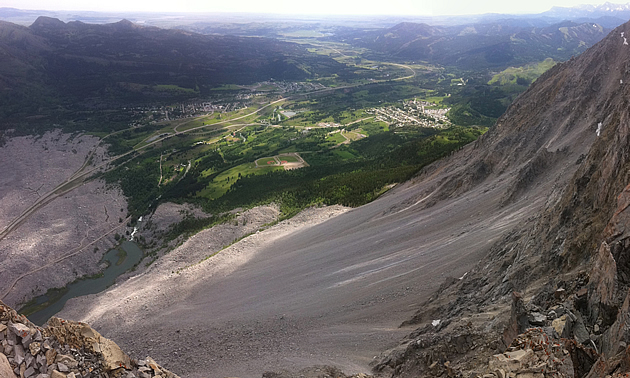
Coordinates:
336 138
173 88
344 154
227 87
352 136
224 180
288 158
523 75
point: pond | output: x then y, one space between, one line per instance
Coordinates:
119 261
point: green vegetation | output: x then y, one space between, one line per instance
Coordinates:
225 165
174 88
226 87
190 225
352 175
224 181
336 138
464 114
121 254
209 144
52 296
288 158
523 75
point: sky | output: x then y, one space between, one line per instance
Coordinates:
360 7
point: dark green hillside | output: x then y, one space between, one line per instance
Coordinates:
82 66
478 46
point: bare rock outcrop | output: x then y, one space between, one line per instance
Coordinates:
65 349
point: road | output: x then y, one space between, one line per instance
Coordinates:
73 252
81 175
85 173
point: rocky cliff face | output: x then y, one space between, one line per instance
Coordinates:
64 349
565 269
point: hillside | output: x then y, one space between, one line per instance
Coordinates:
567 259
473 46
524 227
53 65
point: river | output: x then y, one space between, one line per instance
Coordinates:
118 264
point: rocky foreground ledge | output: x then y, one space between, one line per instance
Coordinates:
64 349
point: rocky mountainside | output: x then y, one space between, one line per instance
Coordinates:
517 219
565 268
530 221
64 349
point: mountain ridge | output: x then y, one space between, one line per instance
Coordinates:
566 255
76 65
492 44
529 221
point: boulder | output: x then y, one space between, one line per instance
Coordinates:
512 361
57 374
601 286
67 360
113 356
79 335
558 324
34 348
51 354
5 368
579 331
536 319
19 329
29 372
19 353
62 367
518 322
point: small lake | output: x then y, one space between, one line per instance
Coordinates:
118 262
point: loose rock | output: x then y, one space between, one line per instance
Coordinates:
64 349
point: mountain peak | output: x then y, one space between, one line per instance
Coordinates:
43 22
124 23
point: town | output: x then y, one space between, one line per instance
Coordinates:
413 113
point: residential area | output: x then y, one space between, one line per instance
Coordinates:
415 112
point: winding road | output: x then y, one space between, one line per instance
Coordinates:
85 172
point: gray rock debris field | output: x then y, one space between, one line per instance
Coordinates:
64 349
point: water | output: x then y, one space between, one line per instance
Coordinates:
90 286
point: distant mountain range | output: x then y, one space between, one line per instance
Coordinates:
587 11
478 46
108 64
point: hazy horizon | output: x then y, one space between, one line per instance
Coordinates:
322 7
